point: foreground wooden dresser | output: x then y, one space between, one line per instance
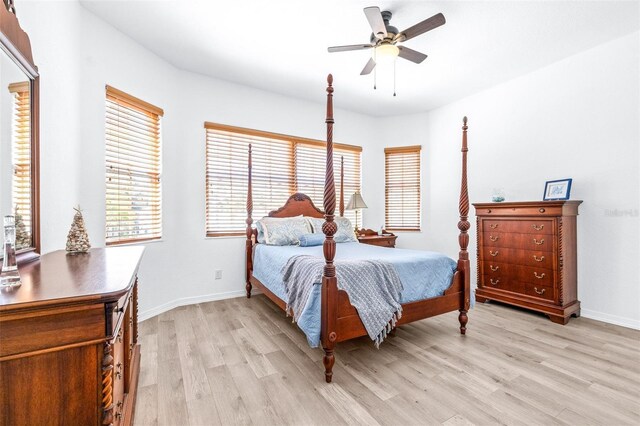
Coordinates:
527 256
69 352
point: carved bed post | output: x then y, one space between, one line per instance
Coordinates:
463 238
249 243
342 186
329 280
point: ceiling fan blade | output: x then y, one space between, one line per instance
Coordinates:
422 27
349 47
369 67
411 55
375 20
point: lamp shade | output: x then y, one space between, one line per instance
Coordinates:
386 53
356 202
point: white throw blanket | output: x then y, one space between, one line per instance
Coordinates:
373 287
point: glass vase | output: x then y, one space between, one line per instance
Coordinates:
10 276
497 195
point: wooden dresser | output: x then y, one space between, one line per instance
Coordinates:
527 256
69 352
368 236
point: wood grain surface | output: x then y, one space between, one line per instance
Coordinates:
240 361
46 282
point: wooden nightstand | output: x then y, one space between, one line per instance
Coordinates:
369 236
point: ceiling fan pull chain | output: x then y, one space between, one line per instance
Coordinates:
375 72
394 77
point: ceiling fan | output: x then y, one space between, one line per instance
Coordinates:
386 37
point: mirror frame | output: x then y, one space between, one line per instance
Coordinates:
16 44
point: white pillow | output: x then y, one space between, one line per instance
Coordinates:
345 234
282 231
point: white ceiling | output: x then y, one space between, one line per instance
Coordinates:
281 46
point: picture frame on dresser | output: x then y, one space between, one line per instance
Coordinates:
556 190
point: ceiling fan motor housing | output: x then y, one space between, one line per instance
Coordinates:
391 30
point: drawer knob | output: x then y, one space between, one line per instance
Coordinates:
493 225
537 228
539 291
494 268
488 210
535 274
536 242
541 210
492 253
494 282
118 310
492 238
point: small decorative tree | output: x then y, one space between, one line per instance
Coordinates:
78 239
23 238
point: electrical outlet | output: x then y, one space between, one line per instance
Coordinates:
218 275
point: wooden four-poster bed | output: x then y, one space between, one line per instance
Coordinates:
339 319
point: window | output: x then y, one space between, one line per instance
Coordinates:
282 165
402 188
133 203
21 160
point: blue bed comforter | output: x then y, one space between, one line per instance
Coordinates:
423 274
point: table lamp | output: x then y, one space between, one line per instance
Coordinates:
356 203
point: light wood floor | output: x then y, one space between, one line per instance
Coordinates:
241 361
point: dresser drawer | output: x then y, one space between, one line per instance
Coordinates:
496 254
518 226
497 282
503 282
381 241
535 259
118 377
536 276
22 333
493 269
540 242
128 343
115 314
539 291
386 243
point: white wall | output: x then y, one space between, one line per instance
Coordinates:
576 118
77 54
51 26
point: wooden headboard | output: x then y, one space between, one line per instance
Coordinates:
298 204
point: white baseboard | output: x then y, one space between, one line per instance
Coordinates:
150 313
611 319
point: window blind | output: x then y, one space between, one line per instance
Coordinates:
281 166
310 173
133 169
21 159
402 188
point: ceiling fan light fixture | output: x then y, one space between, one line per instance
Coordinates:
386 53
